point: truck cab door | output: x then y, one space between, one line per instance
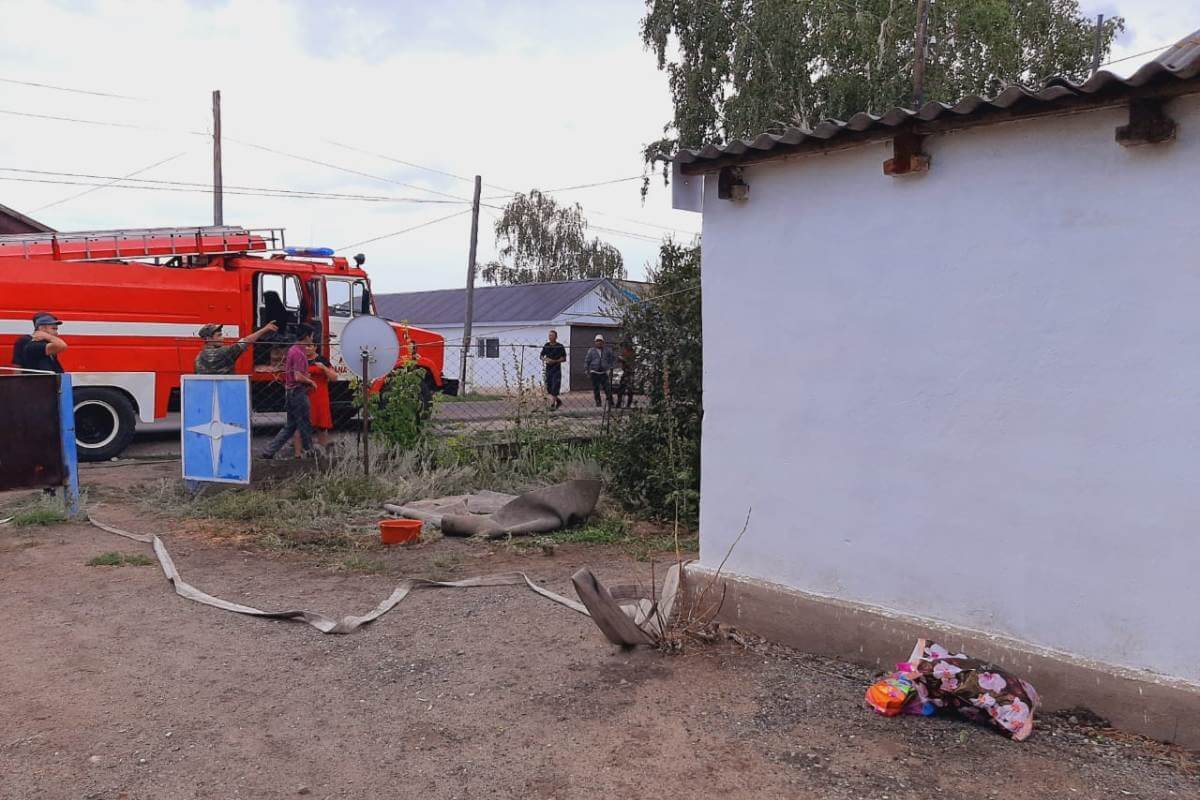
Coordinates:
346 298
278 298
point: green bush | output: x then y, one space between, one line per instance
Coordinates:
653 463
653 457
399 413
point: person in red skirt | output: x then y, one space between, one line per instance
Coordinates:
321 412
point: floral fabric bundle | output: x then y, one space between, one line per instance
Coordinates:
973 688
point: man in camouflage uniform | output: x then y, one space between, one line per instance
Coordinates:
219 359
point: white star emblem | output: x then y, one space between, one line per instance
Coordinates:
215 429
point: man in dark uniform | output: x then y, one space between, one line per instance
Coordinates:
553 356
40 350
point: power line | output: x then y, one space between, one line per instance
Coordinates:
103 123
617 231
409 164
73 91
129 125
571 188
344 169
628 234
404 230
647 224
511 192
1137 55
248 191
196 190
98 188
265 189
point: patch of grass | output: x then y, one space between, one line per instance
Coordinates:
309 541
470 397
613 531
598 530
444 567
361 564
39 516
333 508
40 510
115 559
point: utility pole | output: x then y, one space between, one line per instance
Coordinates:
470 315
1096 43
218 183
920 53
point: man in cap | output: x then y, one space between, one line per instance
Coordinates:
219 359
40 350
599 363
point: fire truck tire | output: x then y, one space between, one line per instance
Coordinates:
428 388
104 423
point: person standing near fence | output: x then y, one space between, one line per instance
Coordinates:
217 358
321 414
297 384
625 385
599 363
553 356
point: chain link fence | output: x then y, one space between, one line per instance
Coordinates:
506 391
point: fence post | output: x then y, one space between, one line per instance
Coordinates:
66 416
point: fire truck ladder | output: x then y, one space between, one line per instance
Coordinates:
133 243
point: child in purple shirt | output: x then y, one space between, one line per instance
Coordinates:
297 383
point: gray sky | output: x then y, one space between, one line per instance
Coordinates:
525 93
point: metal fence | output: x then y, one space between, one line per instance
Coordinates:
503 391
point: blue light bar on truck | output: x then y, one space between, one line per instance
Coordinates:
310 252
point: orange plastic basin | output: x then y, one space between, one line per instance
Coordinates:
399 531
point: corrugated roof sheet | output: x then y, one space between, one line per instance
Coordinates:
529 302
1180 63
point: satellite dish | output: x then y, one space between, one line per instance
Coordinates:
377 339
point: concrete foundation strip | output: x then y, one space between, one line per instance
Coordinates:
319 621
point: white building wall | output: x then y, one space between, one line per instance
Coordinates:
519 357
593 308
971 395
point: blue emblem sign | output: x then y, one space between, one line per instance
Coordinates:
216 428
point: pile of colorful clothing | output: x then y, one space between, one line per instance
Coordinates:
933 679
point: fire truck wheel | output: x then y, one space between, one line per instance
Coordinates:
104 423
428 387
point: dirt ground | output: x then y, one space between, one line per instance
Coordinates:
113 687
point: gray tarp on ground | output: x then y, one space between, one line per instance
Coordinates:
493 515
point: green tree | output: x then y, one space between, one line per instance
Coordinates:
541 240
653 457
737 68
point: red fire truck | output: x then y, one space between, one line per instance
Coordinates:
133 301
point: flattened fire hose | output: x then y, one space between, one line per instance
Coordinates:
319 621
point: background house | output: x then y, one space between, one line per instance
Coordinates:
976 405
13 221
511 323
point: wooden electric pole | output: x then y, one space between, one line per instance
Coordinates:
218 183
920 53
1097 42
470 315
